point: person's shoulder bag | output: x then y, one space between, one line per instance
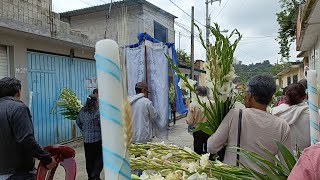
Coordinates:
239 135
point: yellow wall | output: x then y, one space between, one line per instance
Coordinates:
282 81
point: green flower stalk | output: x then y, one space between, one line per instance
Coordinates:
219 79
161 161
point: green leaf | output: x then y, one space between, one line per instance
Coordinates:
287 156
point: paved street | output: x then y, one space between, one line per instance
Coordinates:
177 134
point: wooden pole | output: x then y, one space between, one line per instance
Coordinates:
192 43
146 62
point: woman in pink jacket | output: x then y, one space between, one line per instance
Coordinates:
307 167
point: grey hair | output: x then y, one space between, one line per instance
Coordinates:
202 91
262 88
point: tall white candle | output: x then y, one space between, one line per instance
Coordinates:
115 158
313 106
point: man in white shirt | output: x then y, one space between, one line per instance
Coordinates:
143 114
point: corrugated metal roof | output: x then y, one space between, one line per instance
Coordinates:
115 4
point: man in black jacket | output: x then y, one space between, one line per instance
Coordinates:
18 147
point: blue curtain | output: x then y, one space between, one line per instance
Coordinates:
181 109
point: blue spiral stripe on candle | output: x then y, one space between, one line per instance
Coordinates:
108 72
314 140
110 112
116 163
111 167
109 118
104 103
100 57
314 125
312 89
108 151
108 66
313 107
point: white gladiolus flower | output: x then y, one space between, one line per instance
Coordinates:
204 160
192 82
182 84
173 176
209 84
184 165
223 98
206 66
231 76
156 177
219 164
188 149
167 156
192 167
194 97
197 176
225 89
144 176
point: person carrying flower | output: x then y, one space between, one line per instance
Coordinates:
257 125
88 120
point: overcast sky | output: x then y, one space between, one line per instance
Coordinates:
255 19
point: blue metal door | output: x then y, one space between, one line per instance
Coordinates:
47 75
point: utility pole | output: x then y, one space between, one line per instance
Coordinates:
179 39
192 44
208 19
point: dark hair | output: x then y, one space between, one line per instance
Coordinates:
90 103
202 91
284 90
9 86
138 90
95 91
140 86
304 82
296 93
262 88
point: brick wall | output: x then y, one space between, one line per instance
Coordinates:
35 12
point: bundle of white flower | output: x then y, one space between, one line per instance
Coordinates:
159 161
219 79
69 104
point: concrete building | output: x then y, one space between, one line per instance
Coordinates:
46 55
291 75
124 21
199 73
308 33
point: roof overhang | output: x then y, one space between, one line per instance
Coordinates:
302 54
293 67
117 4
310 25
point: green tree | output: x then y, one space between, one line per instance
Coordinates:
183 57
287 19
